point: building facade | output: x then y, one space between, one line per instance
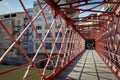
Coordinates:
14 23
30 41
42 28
28 38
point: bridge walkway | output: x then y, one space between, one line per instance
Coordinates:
88 66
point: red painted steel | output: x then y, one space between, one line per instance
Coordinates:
107 45
61 62
103 27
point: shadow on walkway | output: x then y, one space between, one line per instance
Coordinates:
88 66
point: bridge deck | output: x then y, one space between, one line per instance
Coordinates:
87 67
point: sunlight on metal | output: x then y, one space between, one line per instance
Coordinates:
73 27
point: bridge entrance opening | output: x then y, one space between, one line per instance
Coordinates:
89 43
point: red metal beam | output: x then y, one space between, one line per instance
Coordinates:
89 3
88 10
56 8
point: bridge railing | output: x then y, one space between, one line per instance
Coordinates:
57 45
108 44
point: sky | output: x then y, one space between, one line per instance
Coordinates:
90 6
8 6
87 13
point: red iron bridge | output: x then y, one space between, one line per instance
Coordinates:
89 45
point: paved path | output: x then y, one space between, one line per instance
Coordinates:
87 67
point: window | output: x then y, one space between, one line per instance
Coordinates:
13 15
5 44
7 16
18 22
31 45
58 45
48 17
48 36
1 38
26 38
47 9
39 18
60 34
37 9
18 29
26 49
40 35
6 22
26 22
58 25
1 31
39 27
48 46
18 51
56 33
25 44
37 45
4 37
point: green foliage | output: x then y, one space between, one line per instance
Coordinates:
18 74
